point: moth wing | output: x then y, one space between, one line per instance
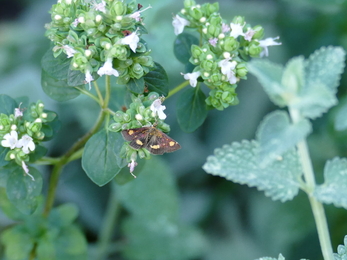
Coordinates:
160 143
137 137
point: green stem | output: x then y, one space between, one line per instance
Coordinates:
178 88
108 226
63 160
98 92
317 207
85 92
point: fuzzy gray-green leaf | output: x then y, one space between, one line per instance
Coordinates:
238 163
334 188
277 135
270 77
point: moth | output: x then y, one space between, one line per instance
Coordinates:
154 140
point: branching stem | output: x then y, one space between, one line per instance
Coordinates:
317 207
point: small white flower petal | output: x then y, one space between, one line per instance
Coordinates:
249 34
108 69
227 69
132 166
179 23
26 143
266 43
89 78
10 140
100 6
26 170
132 40
236 30
192 77
69 51
158 109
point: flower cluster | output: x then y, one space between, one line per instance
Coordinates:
102 37
143 111
21 132
220 59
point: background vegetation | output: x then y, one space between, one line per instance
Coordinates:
237 222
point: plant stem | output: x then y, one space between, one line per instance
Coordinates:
108 226
178 88
317 207
83 91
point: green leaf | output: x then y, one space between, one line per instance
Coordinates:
277 135
280 257
76 78
18 243
182 46
157 80
45 249
293 76
57 89
191 109
40 151
341 117
334 188
7 105
270 77
325 66
63 215
152 194
341 251
56 68
71 244
3 152
238 162
22 191
159 238
136 85
99 160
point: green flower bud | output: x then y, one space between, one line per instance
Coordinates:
254 49
210 8
115 127
136 70
119 8
196 51
238 20
5 124
230 44
259 32
196 13
189 3
208 65
213 30
241 70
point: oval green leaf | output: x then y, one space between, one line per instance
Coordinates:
22 191
99 159
157 80
7 105
57 68
191 109
57 89
136 85
182 46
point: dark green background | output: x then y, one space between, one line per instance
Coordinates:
239 223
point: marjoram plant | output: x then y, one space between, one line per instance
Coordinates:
93 42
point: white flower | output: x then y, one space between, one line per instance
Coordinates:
26 143
69 51
192 77
89 78
213 41
179 23
249 34
268 42
100 6
18 112
132 40
132 166
26 170
10 140
137 14
236 30
107 69
158 108
227 69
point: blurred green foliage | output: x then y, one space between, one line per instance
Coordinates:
237 222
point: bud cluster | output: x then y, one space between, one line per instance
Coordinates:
23 130
220 59
101 36
143 111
